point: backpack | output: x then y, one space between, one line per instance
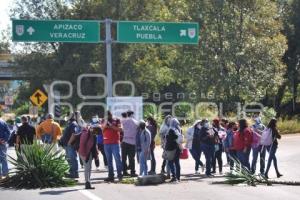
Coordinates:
65 138
266 137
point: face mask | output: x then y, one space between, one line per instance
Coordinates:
206 125
94 120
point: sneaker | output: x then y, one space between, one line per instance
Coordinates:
279 175
125 173
173 180
203 168
151 173
134 175
209 175
197 172
168 176
120 178
162 171
98 169
109 179
88 186
221 173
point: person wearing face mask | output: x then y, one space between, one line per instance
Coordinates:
193 143
88 151
99 138
228 143
70 141
164 128
257 148
207 145
111 128
143 142
242 141
174 140
219 132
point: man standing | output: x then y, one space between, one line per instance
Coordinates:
48 131
111 129
25 133
130 129
69 141
4 135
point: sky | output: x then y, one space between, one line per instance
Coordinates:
4 16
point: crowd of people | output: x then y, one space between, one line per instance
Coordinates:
126 140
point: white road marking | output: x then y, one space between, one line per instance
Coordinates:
89 195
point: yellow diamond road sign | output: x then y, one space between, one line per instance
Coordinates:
38 98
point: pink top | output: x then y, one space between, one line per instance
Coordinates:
86 143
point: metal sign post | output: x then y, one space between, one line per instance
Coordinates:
108 42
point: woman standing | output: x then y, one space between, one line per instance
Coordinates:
193 144
218 131
143 142
242 143
88 151
152 127
228 143
273 147
164 129
174 140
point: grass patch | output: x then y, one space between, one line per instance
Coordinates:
288 126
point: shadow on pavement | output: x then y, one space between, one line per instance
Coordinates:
58 192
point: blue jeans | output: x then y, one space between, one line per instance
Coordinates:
143 164
208 152
272 157
231 156
175 167
261 150
243 157
71 155
3 160
46 138
113 151
196 154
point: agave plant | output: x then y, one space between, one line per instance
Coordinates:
241 175
38 166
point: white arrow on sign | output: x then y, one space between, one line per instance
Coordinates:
30 30
182 33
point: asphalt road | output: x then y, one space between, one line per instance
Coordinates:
191 187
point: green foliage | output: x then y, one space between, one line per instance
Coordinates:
238 59
288 126
38 166
268 114
242 175
22 109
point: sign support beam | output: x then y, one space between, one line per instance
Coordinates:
108 42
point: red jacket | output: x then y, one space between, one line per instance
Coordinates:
242 140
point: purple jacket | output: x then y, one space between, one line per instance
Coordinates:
86 143
130 129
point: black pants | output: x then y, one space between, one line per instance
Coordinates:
153 161
217 156
128 150
101 149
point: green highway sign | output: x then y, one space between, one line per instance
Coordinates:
79 31
157 32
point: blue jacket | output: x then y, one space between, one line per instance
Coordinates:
4 131
228 142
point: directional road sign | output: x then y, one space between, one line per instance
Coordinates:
157 32
79 31
38 98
